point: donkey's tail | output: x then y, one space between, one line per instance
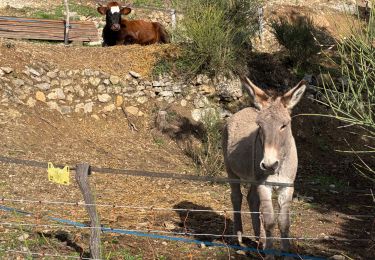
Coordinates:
163 34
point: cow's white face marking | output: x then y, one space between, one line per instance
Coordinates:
115 9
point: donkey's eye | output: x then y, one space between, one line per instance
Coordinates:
282 127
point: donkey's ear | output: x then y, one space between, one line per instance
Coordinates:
293 96
125 10
102 10
258 96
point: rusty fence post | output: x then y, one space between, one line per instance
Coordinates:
82 173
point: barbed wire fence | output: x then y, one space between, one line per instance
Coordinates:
82 173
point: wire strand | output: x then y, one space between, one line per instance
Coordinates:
115 230
223 211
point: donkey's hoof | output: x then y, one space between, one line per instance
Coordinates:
239 237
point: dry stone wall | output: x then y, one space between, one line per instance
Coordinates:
94 93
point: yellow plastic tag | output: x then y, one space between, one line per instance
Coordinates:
57 175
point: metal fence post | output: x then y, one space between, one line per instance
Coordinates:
66 23
82 172
260 21
173 18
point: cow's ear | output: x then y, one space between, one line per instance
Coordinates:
125 10
102 10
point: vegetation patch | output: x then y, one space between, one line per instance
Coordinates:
216 35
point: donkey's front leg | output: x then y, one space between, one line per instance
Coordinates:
236 197
266 209
285 200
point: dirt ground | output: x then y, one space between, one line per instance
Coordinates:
320 211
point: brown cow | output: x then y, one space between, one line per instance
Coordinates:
118 30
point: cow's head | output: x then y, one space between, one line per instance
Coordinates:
113 12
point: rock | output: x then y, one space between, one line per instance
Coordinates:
31 102
56 94
88 107
183 103
69 98
229 90
66 82
96 117
119 101
332 186
106 82
207 90
109 108
78 89
132 110
18 83
134 74
6 70
53 105
39 95
65 110
51 74
202 79
201 101
114 79
140 113
101 89
94 81
69 89
23 237
142 100
55 83
34 72
62 74
158 84
1 73
43 86
104 98
224 113
199 114
166 93
46 79
97 43
60 93
79 107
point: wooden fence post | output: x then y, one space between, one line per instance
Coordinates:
67 23
82 173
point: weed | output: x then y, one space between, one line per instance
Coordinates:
297 36
352 98
208 155
58 12
216 35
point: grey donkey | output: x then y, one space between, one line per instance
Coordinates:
259 146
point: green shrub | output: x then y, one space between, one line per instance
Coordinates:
297 36
216 34
208 155
352 99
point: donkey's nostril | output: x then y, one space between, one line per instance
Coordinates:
269 167
263 166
